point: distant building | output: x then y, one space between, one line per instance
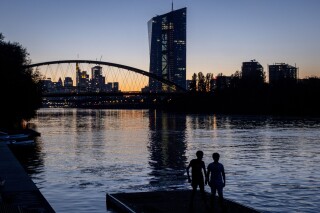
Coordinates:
68 84
312 83
112 87
47 85
115 87
222 82
280 73
58 86
82 82
167 45
97 80
145 89
252 74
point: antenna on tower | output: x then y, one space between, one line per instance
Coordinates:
172 6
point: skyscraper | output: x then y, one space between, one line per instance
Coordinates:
97 80
167 45
82 81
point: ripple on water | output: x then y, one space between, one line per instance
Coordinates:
272 164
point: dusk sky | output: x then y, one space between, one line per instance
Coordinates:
220 34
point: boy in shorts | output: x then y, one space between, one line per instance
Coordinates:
217 178
198 172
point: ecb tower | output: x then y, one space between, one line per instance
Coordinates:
167 45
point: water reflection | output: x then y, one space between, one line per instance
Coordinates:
167 147
31 157
272 164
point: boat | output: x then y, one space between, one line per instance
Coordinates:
29 142
18 139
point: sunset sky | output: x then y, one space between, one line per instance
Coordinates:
220 34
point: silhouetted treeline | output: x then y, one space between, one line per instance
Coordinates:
19 87
299 98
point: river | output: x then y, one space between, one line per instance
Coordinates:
272 164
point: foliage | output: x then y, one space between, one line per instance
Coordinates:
202 83
234 95
19 86
193 83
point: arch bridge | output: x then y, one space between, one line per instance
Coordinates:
67 84
60 69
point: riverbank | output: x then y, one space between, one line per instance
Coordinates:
19 193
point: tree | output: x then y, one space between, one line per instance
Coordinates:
19 86
193 83
235 80
209 82
201 82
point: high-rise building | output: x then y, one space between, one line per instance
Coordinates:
82 79
280 73
252 74
97 80
167 45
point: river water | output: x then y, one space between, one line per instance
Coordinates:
272 164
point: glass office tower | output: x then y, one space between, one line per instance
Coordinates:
167 45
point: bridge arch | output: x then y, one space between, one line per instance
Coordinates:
121 66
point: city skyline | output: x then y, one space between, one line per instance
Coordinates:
220 35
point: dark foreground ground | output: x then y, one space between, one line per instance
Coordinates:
18 194
170 202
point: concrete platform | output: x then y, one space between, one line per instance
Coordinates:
170 202
19 193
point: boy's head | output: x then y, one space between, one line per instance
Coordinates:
215 156
199 154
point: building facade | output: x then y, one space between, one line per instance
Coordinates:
252 74
97 80
82 81
167 45
280 73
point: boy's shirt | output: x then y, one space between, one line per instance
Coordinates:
216 170
197 166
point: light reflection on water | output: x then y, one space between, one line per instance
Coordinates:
272 164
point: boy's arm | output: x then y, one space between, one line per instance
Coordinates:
205 174
224 177
208 175
188 167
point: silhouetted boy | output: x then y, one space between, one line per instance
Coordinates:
217 178
198 172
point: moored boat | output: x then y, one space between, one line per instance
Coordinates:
17 139
29 142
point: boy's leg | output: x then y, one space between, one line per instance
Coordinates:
212 196
220 193
194 190
203 193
